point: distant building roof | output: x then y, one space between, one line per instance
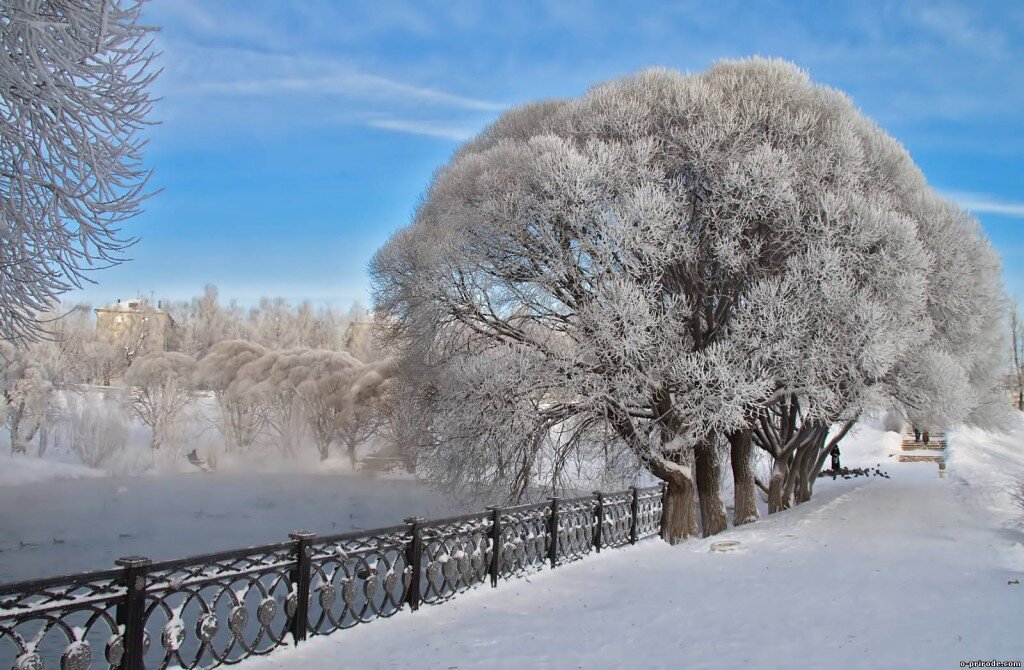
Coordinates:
133 305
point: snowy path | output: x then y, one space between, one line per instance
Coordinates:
904 572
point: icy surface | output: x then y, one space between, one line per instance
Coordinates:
911 571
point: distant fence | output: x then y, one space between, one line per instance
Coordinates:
221 608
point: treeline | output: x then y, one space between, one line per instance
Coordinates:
277 373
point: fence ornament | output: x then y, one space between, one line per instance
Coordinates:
221 608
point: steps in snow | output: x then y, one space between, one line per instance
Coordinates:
923 447
936 444
921 458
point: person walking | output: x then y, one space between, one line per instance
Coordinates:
917 434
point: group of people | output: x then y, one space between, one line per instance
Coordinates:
919 435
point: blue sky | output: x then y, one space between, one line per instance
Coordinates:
296 136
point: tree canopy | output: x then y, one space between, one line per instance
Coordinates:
673 261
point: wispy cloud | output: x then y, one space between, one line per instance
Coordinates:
959 27
351 84
422 128
984 204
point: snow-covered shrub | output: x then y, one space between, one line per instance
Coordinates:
95 428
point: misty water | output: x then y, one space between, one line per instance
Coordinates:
60 527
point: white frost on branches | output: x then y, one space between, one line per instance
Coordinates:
671 260
159 388
74 82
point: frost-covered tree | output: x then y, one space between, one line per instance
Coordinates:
159 388
956 376
357 425
95 429
241 416
405 414
604 264
27 395
358 338
339 393
212 322
66 350
311 390
1017 354
268 383
74 97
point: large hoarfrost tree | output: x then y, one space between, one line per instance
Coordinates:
74 96
673 260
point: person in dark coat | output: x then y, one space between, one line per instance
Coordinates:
917 434
835 461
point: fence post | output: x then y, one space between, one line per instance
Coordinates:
635 509
413 558
599 510
664 495
301 578
495 567
132 609
553 532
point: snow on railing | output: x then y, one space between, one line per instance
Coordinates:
215 609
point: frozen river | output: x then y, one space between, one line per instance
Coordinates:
59 527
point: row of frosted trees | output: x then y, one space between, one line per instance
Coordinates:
47 382
674 273
287 397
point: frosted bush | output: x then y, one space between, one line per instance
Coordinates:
95 429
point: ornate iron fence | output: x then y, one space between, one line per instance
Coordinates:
216 609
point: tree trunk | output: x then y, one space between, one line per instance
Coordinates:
709 469
744 486
778 494
679 517
802 489
44 440
351 446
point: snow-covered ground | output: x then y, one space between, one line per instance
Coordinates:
913 571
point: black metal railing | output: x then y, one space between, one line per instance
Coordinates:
220 608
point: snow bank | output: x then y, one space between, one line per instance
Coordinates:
988 464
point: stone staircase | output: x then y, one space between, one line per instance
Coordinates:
916 451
